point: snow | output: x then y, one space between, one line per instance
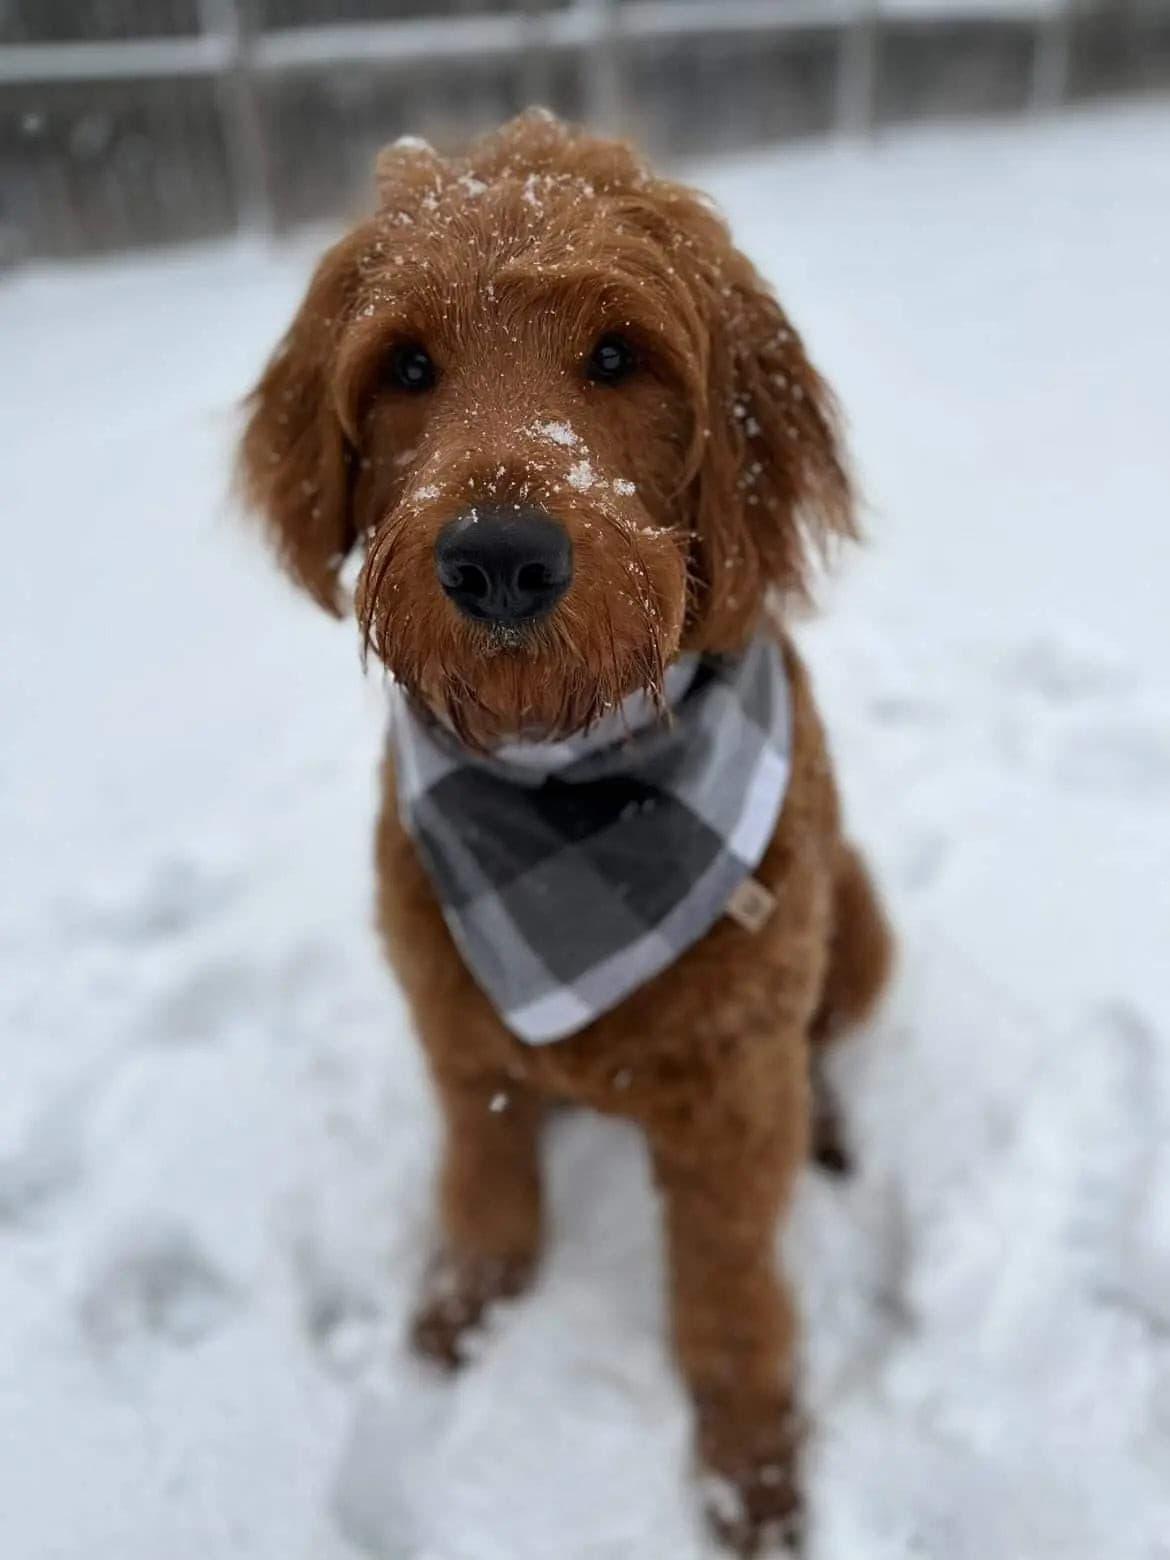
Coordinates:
215 1136
582 476
556 433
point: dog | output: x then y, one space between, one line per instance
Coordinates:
591 470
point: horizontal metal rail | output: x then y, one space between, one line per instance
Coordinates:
418 41
122 59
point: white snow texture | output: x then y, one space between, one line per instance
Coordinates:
216 1141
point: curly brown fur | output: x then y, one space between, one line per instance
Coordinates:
694 492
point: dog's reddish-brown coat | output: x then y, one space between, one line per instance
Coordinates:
728 440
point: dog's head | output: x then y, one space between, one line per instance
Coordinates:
571 426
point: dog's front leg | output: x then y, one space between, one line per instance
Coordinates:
489 1209
724 1185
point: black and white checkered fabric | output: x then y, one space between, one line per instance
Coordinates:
572 872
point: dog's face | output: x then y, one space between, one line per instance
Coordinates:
573 430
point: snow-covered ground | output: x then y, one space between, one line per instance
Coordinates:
215 1140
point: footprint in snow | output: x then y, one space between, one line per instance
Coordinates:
1114 756
47 1164
202 1005
924 858
154 1282
339 1318
176 894
1079 721
1061 673
1125 1201
905 709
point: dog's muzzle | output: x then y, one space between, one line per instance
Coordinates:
504 564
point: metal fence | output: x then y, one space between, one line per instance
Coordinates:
131 122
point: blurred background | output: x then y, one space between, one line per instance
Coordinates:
133 122
216 1139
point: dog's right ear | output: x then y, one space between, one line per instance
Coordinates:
295 462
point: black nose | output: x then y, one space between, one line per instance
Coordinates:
502 564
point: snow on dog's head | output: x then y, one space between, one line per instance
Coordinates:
572 427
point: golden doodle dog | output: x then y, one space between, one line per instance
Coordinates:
589 465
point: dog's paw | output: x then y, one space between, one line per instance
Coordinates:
458 1294
752 1497
761 1514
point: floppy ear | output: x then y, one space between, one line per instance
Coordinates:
773 491
295 463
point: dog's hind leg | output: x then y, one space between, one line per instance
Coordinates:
861 952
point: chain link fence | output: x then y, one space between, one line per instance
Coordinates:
132 122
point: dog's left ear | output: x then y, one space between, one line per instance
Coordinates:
772 489
296 463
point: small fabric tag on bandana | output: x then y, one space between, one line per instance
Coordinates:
570 873
751 905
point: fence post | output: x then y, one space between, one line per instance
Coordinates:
857 75
1052 65
239 104
535 71
604 106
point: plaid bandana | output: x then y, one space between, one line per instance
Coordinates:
571 872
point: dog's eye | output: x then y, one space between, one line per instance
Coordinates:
411 367
611 360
